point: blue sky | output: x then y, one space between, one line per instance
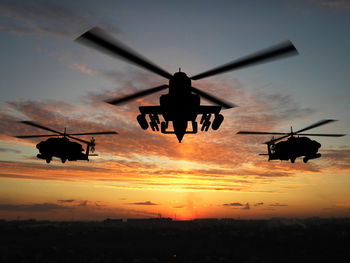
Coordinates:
194 35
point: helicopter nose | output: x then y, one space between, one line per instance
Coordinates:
180 127
180 136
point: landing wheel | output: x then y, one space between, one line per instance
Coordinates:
48 160
292 160
305 159
63 160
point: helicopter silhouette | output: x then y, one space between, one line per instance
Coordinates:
182 104
293 147
62 147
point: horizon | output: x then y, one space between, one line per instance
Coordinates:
169 219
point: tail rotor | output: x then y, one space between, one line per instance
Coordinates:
92 144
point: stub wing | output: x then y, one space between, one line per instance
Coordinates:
158 110
209 109
151 110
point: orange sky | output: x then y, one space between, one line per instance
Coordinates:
144 174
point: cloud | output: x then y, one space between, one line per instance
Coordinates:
71 209
341 5
246 207
41 171
44 207
284 106
233 204
49 17
83 203
277 205
9 150
240 205
212 161
133 140
82 68
66 201
259 204
336 160
343 205
143 203
179 206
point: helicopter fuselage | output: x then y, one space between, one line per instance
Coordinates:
61 148
180 103
293 148
179 106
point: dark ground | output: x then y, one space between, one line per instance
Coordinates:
162 240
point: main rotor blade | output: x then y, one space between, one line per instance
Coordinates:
279 51
322 122
35 136
262 133
285 135
326 135
277 139
99 39
80 140
94 133
136 95
213 99
31 123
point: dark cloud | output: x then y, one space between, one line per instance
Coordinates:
44 207
49 17
143 203
259 204
242 206
66 201
233 204
246 207
83 203
277 205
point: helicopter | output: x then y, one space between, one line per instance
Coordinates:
182 103
293 147
62 147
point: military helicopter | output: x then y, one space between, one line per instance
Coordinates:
182 104
293 147
62 147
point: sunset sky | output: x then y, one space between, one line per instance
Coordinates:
49 78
